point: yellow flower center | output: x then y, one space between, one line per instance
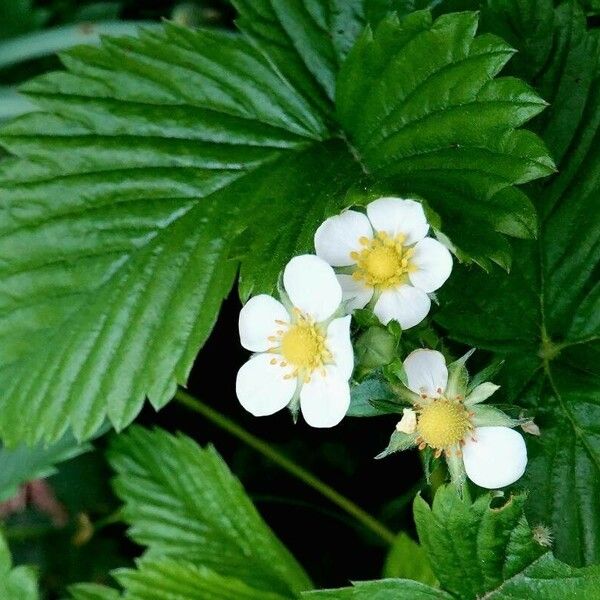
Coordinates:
443 423
384 261
302 346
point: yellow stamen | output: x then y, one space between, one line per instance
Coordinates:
443 423
384 261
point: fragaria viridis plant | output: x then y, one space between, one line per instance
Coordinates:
405 198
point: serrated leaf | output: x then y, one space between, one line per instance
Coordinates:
153 159
386 589
422 105
306 40
18 582
541 319
24 463
182 502
474 548
168 579
407 560
549 579
114 237
479 551
91 591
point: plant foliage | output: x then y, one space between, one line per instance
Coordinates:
151 154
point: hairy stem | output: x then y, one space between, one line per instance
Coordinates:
365 519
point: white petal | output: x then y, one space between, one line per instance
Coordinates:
497 458
340 345
312 286
257 322
406 304
356 293
338 236
426 372
325 399
434 265
396 216
261 388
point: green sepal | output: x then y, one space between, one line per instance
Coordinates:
481 393
458 376
398 442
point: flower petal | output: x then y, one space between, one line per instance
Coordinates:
257 322
355 293
434 265
497 458
325 399
312 286
396 216
340 345
338 236
406 304
426 372
261 387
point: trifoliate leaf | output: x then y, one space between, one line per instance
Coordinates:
423 107
152 157
18 582
182 502
480 551
24 463
542 318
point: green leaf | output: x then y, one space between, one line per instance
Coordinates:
306 40
423 107
182 502
19 583
480 551
473 548
407 560
24 463
155 160
549 579
363 394
542 318
170 579
284 207
387 589
91 591
114 232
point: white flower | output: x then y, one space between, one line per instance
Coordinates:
303 351
389 258
493 456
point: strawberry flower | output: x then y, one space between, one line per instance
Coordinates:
303 349
447 416
385 259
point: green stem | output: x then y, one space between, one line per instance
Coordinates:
51 41
303 475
